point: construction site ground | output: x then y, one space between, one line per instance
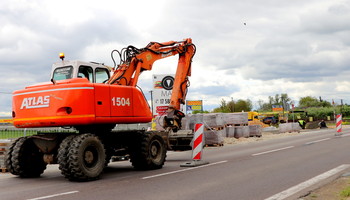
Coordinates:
330 191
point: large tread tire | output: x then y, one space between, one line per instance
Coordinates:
8 158
86 158
62 156
109 154
148 151
26 159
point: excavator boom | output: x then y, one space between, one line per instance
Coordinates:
137 60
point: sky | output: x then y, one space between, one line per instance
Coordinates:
248 49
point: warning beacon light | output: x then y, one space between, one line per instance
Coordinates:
62 56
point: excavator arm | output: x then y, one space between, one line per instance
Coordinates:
134 61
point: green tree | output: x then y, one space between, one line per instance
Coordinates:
264 106
319 113
346 110
243 105
231 106
278 99
222 108
325 104
310 101
234 106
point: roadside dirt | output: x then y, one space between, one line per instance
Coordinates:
330 191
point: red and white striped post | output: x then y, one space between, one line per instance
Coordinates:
198 142
338 123
197 147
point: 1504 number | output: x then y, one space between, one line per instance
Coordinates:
120 101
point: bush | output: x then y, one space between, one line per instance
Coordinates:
321 113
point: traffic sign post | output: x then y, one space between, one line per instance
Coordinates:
197 148
339 124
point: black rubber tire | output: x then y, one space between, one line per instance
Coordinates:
149 152
62 156
8 157
109 153
86 158
26 159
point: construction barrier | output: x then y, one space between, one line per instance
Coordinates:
338 123
197 147
198 142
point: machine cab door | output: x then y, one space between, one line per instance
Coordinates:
86 72
102 93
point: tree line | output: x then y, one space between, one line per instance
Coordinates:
308 106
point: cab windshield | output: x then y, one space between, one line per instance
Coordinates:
63 73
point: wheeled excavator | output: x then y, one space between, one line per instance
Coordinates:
93 98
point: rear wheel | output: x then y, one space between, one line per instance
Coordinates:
149 152
8 158
26 160
86 158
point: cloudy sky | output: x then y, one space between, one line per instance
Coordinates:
248 49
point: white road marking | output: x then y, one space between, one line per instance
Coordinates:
183 170
316 141
293 190
54 195
344 135
271 151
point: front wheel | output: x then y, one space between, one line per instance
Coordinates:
86 158
149 152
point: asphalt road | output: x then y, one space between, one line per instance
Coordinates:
251 171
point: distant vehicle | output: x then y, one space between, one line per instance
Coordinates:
269 120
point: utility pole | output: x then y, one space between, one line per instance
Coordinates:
334 110
152 102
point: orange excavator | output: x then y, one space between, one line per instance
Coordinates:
93 98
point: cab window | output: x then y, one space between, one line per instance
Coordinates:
86 72
102 75
62 73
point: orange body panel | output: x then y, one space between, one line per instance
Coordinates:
74 102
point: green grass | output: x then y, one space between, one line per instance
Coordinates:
12 134
8 134
345 192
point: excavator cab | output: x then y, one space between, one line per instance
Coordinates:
94 72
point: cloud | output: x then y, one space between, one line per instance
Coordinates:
245 49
